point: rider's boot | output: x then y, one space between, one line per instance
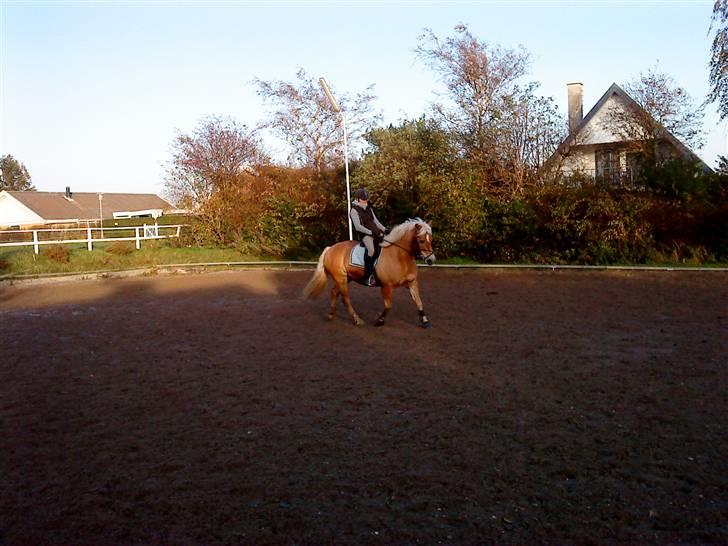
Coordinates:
369 279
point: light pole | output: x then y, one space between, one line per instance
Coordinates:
335 106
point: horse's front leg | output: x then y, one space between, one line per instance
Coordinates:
414 291
387 297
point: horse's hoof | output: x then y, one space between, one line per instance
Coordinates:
358 322
330 317
380 322
425 324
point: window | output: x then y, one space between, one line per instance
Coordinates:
634 166
607 165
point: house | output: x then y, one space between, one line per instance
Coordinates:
606 143
33 208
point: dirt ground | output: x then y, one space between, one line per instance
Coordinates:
541 408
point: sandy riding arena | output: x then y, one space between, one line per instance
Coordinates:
222 408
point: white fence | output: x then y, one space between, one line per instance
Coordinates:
88 235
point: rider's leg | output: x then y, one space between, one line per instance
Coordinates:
368 241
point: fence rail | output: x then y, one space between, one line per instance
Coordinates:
38 237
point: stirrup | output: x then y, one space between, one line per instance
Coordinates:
371 281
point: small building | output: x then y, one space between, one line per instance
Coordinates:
605 144
19 209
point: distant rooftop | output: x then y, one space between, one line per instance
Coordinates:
85 206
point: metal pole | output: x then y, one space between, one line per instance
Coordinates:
335 106
346 167
101 215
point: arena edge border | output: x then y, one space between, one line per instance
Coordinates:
171 269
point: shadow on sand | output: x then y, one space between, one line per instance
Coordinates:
564 408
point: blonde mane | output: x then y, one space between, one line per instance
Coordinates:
399 231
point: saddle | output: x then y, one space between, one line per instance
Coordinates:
356 258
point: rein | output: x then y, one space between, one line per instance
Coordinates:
408 250
393 243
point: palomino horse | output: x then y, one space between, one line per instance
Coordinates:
396 267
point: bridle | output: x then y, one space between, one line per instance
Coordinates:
418 255
421 256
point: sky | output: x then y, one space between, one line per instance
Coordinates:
93 93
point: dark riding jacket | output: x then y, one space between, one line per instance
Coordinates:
365 221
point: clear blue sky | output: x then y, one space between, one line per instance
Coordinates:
93 93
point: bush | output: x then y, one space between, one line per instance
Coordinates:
682 180
713 230
591 225
294 213
57 253
120 248
507 230
679 227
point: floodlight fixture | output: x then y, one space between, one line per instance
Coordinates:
329 95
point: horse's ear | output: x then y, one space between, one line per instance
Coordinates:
418 227
429 223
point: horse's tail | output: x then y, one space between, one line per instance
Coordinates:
318 282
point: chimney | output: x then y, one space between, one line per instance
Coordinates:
576 106
68 192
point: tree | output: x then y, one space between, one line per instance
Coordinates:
477 76
722 167
528 131
202 162
719 58
303 117
414 169
13 175
502 127
664 106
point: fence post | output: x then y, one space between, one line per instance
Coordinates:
35 242
138 243
89 244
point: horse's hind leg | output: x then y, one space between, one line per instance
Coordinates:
344 290
334 297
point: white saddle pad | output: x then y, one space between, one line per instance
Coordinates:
356 258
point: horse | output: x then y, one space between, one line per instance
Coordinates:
396 267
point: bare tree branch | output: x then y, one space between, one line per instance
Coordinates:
216 152
303 117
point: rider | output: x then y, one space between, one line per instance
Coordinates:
369 230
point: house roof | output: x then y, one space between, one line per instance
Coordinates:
85 206
615 89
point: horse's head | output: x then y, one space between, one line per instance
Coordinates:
423 242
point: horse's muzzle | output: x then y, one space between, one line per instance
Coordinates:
430 259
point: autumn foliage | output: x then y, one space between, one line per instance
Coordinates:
473 165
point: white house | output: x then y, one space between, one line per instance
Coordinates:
33 208
596 147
